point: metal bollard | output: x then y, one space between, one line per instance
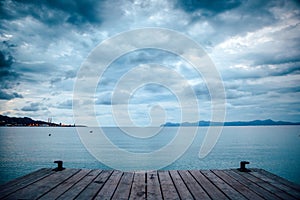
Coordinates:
59 165
243 166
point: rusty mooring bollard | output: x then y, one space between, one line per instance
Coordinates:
59 165
243 166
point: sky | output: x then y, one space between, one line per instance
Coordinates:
254 45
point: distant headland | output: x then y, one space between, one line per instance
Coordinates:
26 121
267 122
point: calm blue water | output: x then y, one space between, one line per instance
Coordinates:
273 148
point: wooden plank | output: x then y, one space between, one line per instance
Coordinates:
23 178
193 186
94 187
210 188
182 190
124 186
167 187
66 185
237 185
110 186
23 181
277 184
138 190
252 186
153 186
279 179
38 188
265 185
80 185
182 184
222 185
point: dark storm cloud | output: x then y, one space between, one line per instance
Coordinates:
8 96
286 71
294 89
8 77
154 88
6 58
6 61
254 89
37 27
134 59
55 80
32 107
70 74
212 6
147 55
262 71
223 15
269 59
36 73
104 98
41 68
65 104
102 101
230 18
201 91
53 12
236 94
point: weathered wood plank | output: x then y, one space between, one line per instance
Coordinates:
64 186
138 190
94 187
153 186
110 186
24 178
277 184
182 184
222 185
167 187
193 186
124 186
278 178
210 188
23 181
80 185
274 190
37 189
237 185
182 190
252 186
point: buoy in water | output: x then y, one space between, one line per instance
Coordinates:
49 134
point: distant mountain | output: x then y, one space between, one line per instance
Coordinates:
267 122
24 121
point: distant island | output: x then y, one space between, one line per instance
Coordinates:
26 121
267 122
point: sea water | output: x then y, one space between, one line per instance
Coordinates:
273 148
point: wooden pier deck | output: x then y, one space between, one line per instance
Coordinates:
178 184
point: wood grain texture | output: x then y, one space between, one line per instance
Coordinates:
174 184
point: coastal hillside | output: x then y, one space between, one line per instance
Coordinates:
25 121
267 122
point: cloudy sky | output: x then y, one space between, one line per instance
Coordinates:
253 44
